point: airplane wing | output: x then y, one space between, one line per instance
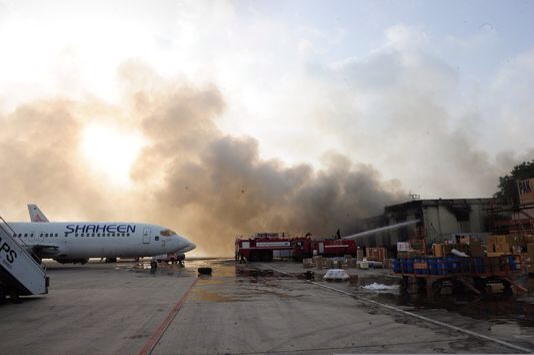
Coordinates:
45 251
36 215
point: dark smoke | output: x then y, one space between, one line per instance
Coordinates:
191 177
217 186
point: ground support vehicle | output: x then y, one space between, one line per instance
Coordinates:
330 247
21 272
262 247
477 274
266 246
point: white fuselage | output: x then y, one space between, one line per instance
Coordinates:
78 240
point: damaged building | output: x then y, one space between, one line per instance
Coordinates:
437 220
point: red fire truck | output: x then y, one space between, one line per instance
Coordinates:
263 247
329 247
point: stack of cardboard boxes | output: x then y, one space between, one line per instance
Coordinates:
320 262
465 243
504 244
439 250
409 249
376 254
528 239
308 263
474 248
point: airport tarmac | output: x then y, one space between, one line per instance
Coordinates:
126 308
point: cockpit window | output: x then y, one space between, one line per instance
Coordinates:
166 233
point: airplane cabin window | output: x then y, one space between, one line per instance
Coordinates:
25 235
92 235
56 235
46 235
157 238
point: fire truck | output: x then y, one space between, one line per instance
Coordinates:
328 247
261 246
265 246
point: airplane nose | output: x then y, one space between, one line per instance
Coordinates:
184 245
182 242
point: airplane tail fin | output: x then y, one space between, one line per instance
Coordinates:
36 215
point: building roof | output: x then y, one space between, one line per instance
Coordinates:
415 204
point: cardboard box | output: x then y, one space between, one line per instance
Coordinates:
476 250
475 241
376 254
403 246
503 248
530 248
508 239
493 239
437 250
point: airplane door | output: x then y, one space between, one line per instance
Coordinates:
146 236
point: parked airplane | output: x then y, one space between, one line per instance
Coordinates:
73 242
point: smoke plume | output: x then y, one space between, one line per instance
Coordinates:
189 176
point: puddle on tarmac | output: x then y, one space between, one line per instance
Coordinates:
200 294
254 273
221 268
506 313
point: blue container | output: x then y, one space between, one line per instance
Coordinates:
427 270
479 265
453 264
465 265
433 266
396 265
511 263
409 265
417 272
442 266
